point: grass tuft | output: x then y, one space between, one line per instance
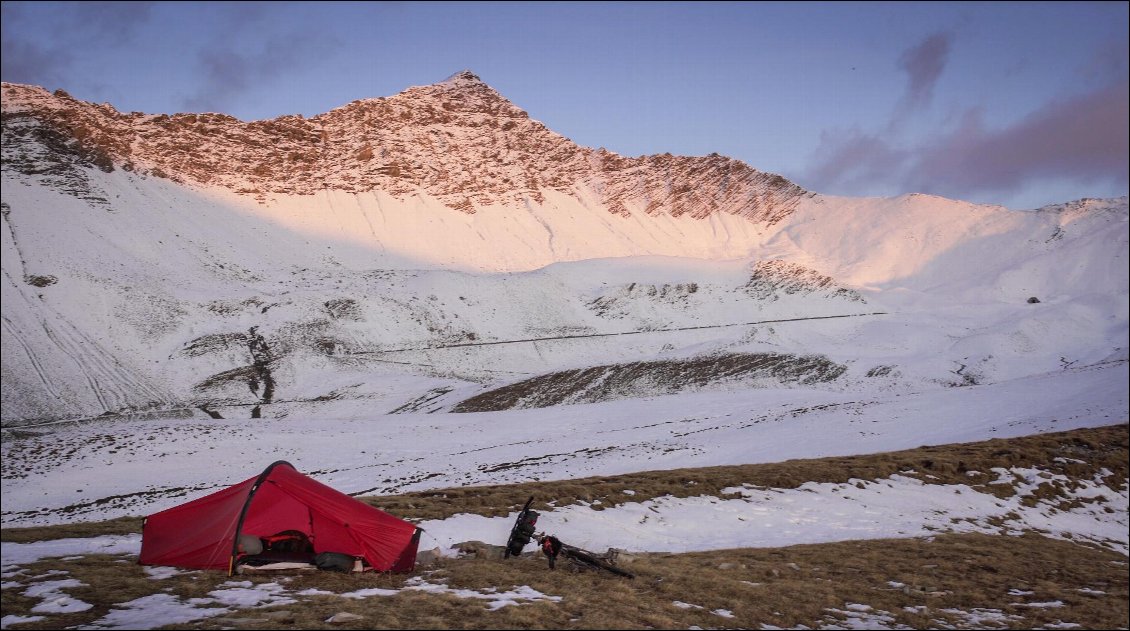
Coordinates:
950 580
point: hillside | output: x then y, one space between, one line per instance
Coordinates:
789 409
196 262
1028 532
268 289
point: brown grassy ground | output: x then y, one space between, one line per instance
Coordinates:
1081 454
944 581
119 526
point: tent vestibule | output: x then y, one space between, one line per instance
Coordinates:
205 533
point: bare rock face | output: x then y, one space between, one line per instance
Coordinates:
459 141
770 279
620 381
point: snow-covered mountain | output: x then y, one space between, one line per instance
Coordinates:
419 251
458 141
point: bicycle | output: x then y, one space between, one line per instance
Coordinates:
523 531
552 547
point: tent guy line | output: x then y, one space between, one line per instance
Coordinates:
591 335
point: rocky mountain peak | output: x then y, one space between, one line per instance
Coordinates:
462 77
458 140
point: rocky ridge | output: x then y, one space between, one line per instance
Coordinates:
459 141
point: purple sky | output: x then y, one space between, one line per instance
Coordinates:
1020 104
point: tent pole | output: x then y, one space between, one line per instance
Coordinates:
247 504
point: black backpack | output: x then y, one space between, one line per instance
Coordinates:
524 529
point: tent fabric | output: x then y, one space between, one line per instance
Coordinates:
204 533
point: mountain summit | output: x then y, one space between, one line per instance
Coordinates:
312 265
463 76
458 141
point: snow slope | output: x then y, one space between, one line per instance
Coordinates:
173 289
99 469
150 300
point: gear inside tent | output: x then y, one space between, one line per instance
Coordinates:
280 516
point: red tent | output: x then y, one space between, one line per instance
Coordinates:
205 532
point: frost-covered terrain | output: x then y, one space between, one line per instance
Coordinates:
110 468
431 290
1080 510
385 337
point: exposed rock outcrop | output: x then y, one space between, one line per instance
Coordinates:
459 141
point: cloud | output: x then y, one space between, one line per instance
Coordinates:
23 60
28 62
26 57
1082 138
111 22
923 65
852 161
1109 61
229 73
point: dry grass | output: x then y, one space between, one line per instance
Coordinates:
920 583
1083 454
120 526
941 581
1079 454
